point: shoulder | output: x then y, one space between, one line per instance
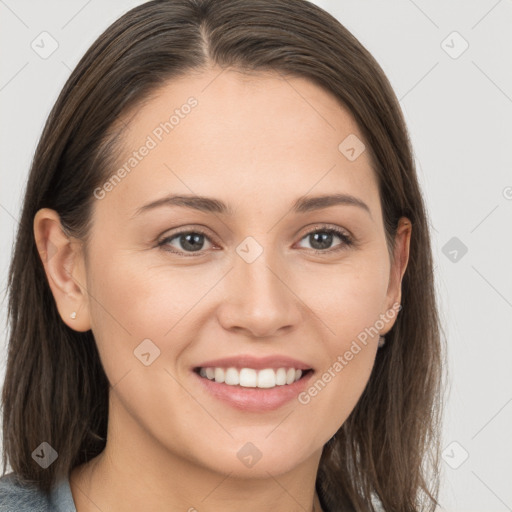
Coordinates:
16 496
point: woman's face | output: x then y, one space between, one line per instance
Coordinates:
250 276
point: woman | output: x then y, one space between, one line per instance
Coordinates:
221 294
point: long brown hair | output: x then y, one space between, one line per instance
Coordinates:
55 388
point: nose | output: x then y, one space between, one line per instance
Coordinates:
259 299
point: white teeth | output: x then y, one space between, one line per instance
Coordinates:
232 377
266 378
290 375
219 375
281 377
248 378
251 378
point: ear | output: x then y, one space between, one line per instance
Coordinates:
397 270
63 263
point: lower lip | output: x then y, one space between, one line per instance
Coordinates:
255 399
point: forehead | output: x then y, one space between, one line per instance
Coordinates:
218 131
232 104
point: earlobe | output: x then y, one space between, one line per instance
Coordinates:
63 264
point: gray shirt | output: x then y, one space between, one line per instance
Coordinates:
18 497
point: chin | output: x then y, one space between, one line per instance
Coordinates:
258 457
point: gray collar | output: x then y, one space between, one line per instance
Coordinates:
61 497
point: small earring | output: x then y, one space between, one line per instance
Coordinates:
73 315
382 341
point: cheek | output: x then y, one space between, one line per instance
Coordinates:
132 301
348 302
347 364
347 297
133 304
125 310
335 390
140 300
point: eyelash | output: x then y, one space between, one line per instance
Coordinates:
345 238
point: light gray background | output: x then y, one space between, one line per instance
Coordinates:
459 115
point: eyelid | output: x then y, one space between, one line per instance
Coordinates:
329 227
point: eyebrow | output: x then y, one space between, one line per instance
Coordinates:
210 205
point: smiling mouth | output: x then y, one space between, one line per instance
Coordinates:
265 378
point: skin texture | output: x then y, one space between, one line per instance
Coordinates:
257 142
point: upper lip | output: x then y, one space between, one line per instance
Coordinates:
258 363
